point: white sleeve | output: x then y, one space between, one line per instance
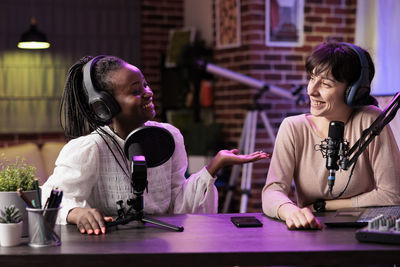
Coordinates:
75 174
197 194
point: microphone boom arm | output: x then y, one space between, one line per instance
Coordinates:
375 129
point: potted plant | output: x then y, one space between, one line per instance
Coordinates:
10 226
13 176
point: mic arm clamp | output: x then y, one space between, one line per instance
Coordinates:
371 132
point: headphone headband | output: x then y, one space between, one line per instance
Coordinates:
88 77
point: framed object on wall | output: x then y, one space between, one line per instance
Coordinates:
227 23
284 22
178 39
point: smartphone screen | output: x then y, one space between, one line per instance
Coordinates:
246 221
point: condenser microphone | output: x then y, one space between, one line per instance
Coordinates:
334 145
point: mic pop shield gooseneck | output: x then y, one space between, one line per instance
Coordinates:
334 144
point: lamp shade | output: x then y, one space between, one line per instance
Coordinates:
33 38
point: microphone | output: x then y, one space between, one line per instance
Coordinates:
334 147
138 168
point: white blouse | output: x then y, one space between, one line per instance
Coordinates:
90 177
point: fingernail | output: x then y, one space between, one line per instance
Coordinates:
90 231
103 230
82 231
97 231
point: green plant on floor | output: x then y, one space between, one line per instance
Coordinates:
16 175
10 214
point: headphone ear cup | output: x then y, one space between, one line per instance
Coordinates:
361 94
105 107
356 93
351 94
346 95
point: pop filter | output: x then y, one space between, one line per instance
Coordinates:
155 143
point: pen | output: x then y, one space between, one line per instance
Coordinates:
46 204
39 202
52 198
22 195
55 198
59 198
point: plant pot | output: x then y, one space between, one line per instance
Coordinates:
10 234
8 198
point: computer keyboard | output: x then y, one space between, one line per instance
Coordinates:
381 229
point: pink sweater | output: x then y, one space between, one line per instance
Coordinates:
375 181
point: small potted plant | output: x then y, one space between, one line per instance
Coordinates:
13 176
10 226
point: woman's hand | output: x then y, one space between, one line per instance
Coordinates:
297 218
230 157
88 220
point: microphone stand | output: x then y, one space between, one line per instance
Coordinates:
375 129
135 212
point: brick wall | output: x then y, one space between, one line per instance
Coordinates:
157 19
283 67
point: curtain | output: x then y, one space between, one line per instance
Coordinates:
377 30
31 84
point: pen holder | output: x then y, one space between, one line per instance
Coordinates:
43 231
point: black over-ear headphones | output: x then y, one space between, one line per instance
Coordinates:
103 104
362 87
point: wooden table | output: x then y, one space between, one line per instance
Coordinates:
206 240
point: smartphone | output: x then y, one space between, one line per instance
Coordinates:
246 221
